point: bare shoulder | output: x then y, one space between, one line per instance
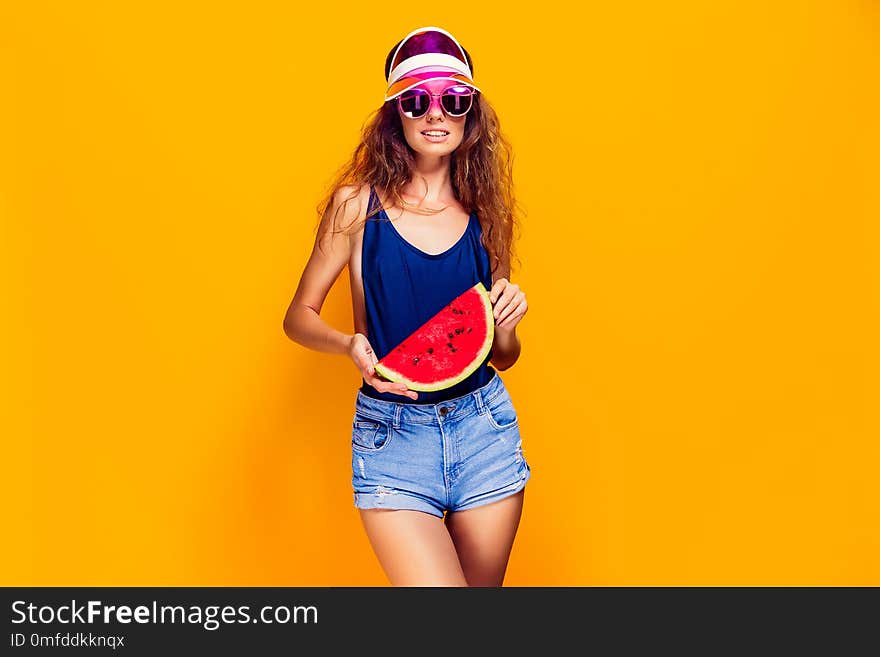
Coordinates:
350 203
342 221
349 206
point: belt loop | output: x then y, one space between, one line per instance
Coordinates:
479 397
398 407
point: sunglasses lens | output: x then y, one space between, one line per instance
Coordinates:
457 100
414 103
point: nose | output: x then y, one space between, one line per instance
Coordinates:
435 110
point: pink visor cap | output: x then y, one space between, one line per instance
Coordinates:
428 53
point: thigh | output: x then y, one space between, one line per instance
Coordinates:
413 547
483 538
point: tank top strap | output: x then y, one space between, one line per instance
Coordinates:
374 200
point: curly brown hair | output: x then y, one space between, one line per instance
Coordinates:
481 169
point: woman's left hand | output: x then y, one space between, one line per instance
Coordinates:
509 303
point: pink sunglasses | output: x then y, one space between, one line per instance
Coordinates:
456 100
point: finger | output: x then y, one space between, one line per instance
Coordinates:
508 310
504 302
497 289
509 321
401 389
365 357
390 386
377 381
405 392
516 316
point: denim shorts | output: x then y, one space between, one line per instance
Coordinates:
449 456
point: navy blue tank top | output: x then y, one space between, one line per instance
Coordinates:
404 287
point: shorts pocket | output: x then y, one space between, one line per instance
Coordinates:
369 434
501 413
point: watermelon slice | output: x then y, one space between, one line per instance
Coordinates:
447 348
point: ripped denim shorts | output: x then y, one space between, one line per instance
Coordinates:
449 456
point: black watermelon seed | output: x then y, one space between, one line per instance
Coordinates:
430 350
454 350
415 360
449 344
449 335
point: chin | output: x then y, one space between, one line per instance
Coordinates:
434 151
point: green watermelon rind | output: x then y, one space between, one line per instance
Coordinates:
397 377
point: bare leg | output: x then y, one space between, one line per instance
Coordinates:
483 538
413 547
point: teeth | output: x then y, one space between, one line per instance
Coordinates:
435 134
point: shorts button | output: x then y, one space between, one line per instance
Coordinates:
443 410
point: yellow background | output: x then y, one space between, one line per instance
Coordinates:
697 389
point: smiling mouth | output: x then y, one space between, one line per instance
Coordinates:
435 133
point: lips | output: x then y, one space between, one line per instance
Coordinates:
436 139
435 133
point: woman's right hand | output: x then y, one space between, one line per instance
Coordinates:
364 358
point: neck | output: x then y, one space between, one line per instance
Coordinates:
430 180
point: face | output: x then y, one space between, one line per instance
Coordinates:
435 119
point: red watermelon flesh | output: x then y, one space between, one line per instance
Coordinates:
447 348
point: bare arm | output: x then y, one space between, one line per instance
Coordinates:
506 346
303 323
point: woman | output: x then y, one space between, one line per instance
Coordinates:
438 476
